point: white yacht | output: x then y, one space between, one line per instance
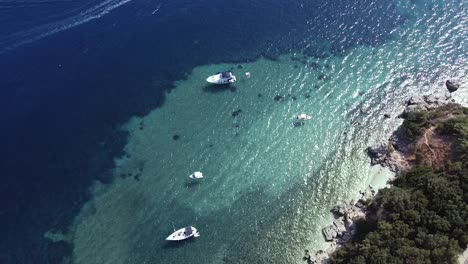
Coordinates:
183 234
196 175
222 78
303 117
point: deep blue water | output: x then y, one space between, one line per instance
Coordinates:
64 94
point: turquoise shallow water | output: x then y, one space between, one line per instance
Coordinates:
269 185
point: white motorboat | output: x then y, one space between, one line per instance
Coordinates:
183 234
222 78
303 117
196 175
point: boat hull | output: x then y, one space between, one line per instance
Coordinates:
303 117
182 234
217 79
196 175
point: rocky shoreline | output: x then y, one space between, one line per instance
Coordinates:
396 154
343 227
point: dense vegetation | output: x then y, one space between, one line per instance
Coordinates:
423 218
415 123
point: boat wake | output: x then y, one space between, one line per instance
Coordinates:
17 39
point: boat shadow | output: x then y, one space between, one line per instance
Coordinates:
298 124
192 183
218 88
178 244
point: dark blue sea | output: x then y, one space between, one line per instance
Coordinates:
74 74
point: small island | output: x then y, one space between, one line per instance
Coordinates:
423 216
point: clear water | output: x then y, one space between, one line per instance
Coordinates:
77 73
268 184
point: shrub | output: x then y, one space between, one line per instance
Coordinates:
415 123
457 126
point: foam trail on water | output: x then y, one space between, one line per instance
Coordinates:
18 39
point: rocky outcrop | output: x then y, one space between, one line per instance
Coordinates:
396 153
329 232
337 230
451 86
338 210
377 154
343 228
339 226
426 102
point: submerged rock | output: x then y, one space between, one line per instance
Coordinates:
278 98
237 112
451 87
322 77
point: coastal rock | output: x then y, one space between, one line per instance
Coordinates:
426 102
448 97
329 232
374 152
415 100
431 99
357 213
338 210
410 109
348 223
377 154
340 226
451 86
386 115
307 257
321 257
399 141
360 203
394 145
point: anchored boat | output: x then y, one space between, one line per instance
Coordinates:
183 234
303 117
196 175
222 78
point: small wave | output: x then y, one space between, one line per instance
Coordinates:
156 10
18 39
